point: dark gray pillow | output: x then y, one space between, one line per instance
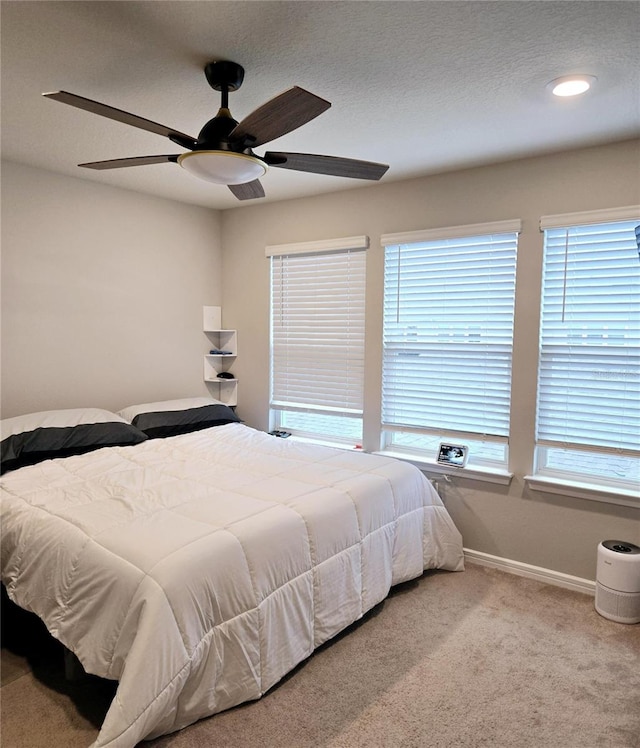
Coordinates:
33 438
173 417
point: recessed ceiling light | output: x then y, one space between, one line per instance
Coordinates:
571 85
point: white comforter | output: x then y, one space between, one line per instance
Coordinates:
198 570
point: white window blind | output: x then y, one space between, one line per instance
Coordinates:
448 329
317 331
589 369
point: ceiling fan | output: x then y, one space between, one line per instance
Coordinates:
222 153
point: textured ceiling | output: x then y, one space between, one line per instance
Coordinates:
423 86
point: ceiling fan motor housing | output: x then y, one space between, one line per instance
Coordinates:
215 134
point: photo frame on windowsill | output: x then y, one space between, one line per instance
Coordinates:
454 455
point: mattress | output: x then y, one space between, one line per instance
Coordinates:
199 569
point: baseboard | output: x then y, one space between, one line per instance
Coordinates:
538 573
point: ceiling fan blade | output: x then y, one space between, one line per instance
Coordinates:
280 115
187 141
247 191
119 163
331 165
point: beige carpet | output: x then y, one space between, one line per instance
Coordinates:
452 660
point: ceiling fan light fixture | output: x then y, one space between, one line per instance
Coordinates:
223 167
571 85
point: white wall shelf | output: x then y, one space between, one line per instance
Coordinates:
225 341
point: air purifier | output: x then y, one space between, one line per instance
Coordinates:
618 581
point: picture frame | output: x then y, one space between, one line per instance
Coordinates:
454 455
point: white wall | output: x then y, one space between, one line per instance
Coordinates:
102 293
550 531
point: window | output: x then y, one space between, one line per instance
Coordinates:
588 422
317 339
448 330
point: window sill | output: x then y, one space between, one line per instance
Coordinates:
475 472
591 491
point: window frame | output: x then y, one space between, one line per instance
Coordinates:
580 484
297 418
392 434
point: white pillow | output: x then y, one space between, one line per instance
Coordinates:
56 419
184 404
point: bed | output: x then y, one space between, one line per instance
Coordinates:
196 560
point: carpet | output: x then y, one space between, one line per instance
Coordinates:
450 660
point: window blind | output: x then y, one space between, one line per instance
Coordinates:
317 331
448 330
589 368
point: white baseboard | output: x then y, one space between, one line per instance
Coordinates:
538 573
